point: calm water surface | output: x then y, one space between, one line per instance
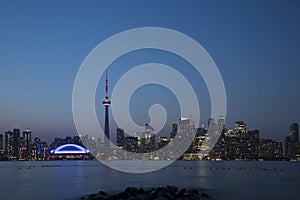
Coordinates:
222 180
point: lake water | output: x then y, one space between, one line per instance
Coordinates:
222 180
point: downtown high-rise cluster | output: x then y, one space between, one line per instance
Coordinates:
18 147
240 144
236 144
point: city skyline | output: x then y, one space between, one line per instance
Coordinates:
293 133
255 47
236 144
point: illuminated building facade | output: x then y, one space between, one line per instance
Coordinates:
16 136
239 127
174 130
289 146
186 131
131 144
1 141
26 144
270 149
120 138
210 121
149 138
294 130
9 147
221 122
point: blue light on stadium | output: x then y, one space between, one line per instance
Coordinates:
70 149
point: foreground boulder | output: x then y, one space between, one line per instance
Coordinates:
158 193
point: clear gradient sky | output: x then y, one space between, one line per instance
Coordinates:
255 44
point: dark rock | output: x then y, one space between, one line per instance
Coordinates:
205 195
181 192
99 198
134 198
169 196
151 197
91 196
172 189
115 197
193 196
158 193
102 193
141 191
154 192
193 191
123 195
161 193
131 190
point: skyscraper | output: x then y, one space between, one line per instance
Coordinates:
186 133
254 143
9 144
16 137
120 137
106 103
221 122
289 147
294 130
1 141
174 130
210 121
239 128
149 136
27 140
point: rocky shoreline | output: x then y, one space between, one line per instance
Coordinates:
160 193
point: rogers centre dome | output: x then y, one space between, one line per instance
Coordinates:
70 151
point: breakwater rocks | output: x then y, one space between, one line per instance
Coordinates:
160 193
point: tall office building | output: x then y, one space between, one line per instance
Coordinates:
106 103
294 130
254 143
186 133
289 147
1 141
16 137
27 140
239 127
174 130
93 146
149 136
9 144
221 122
210 121
270 149
22 149
120 137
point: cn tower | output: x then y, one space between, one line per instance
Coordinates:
106 103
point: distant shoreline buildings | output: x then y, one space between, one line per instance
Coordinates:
237 144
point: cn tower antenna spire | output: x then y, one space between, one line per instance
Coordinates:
106 84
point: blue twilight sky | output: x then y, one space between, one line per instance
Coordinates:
255 44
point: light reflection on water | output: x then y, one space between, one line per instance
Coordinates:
222 180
